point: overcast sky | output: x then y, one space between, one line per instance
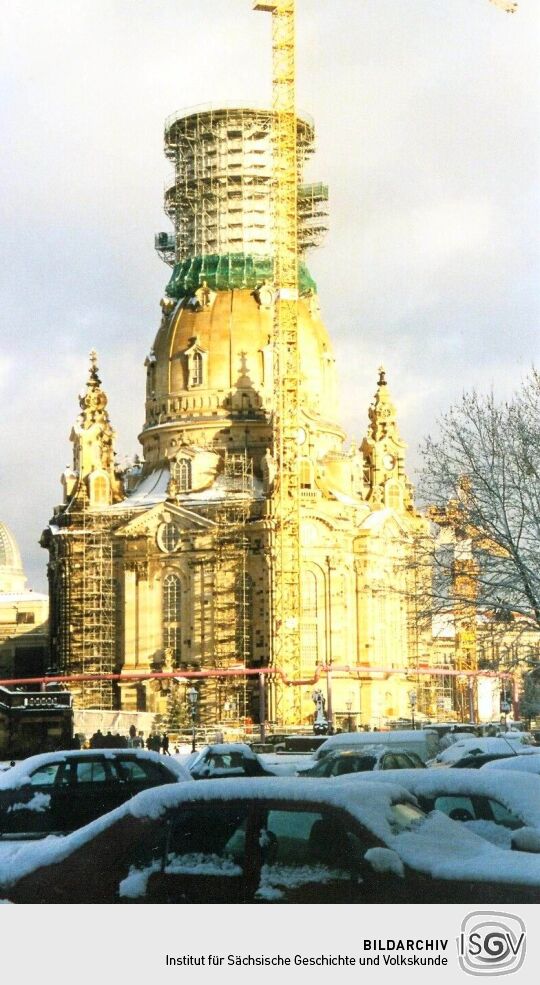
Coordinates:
428 123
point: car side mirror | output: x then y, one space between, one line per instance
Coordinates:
386 861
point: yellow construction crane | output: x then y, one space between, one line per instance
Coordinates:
286 646
510 6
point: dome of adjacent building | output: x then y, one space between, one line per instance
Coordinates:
12 578
212 362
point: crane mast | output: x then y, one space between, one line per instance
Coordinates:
286 644
286 582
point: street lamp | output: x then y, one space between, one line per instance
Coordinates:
412 702
348 705
193 697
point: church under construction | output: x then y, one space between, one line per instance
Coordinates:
178 563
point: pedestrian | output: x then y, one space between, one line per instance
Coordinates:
97 740
165 744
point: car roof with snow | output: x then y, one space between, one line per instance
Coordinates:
20 774
519 794
498 746
359 751
434 845
222 748
518 764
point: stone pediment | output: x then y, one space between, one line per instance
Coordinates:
148 522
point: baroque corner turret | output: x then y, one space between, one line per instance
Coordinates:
386 482
94 477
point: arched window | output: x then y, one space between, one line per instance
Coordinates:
172 616
181 471
197 367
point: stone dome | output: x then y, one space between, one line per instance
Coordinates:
210 373
12 578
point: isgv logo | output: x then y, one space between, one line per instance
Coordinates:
491 943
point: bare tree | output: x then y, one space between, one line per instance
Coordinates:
481 483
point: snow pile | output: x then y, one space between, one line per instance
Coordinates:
526 840
385 860
39 802
192 864
445 849
199 864
519 794
497 834
519 764
135 884
277 878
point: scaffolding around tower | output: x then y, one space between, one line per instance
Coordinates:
83 630
98 625
221 197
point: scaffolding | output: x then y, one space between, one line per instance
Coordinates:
228 700
221 197
91 635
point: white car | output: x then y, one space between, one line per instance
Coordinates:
421 741
502 807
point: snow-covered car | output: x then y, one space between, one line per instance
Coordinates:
271 840
504 808
226 759
474 752
422 742
57 792
364 760
519 764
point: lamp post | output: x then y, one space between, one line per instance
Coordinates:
348 705
412 702
193 697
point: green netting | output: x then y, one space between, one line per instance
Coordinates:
221 273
